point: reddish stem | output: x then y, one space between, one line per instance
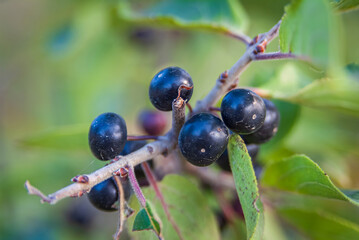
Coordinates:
214 109
153 182
189 108
139 138
136 187
279 55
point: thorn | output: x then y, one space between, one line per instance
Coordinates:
122 172
80 179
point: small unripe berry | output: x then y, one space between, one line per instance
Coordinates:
153 122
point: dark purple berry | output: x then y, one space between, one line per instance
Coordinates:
223 160
104 195
107 136
202 139
153 122
243 111
164 87
269 128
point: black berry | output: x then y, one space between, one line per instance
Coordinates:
243 111
202 139
269 128
153 122
164 87
132 146
223 160
107 136
104 195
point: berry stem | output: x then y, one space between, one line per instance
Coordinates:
214 109
240 36
279 55
178 116
189 108
139 138
207 175
136 187
153 182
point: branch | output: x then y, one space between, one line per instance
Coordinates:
241 37
279 55
224 84
217 180
145 153
167 143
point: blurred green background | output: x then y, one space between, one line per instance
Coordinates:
64 63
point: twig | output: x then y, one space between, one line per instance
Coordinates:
222 86
139 138
214 109
279 55
34 191
211 177
145 153
153 182
122 218
226 207
178 116
241 37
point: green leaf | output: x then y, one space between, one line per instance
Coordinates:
71 137
215 15
146 220
309 29
331 219
345 5
339 95
246 185
300 174
188 207
320 225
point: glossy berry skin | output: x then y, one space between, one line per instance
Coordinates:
153 122
104 195
132 146
107 136
202 139
164 87
243 111
223 160
269 128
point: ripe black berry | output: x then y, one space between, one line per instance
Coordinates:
243 111
203 138
107 136
132 146
164 87
104 195
153 122
223 160
269 128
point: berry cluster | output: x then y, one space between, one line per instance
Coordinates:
203 138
